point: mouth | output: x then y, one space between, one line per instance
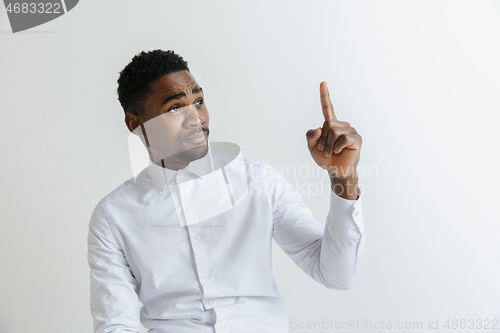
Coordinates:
198 137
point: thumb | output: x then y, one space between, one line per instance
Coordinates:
313 136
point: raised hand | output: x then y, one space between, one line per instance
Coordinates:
336 145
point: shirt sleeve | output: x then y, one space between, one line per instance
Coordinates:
331 254
113 288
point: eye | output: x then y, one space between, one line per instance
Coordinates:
199 102
174 109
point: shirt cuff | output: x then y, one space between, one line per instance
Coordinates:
347 213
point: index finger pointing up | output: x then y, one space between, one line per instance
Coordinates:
326 103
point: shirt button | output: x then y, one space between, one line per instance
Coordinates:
205 277
196 237
210 302
356 213
221 327
186 199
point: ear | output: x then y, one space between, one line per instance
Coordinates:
132 121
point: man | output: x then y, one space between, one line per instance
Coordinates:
212 273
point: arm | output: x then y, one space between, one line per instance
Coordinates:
330 255
114 301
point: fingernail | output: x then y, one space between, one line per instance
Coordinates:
320 146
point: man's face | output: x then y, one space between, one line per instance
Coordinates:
175 120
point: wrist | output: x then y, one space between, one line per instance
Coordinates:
345 187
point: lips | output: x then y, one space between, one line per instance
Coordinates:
197 138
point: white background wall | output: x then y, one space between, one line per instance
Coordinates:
419 80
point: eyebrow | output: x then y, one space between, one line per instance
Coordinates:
181 94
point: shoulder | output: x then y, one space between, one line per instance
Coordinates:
121 192
262 170
118 194
261 165
126 193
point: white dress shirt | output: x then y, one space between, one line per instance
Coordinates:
212 274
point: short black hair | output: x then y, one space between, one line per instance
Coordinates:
134 83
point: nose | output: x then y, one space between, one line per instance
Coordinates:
193 117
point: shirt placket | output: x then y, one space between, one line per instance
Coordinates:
199 240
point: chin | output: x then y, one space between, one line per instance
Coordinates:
192 154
